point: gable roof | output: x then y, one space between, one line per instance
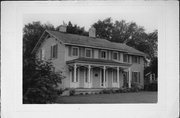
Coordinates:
74 39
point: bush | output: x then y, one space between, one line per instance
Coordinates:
135 87
72 92
152 87
39 82
107 91
60 91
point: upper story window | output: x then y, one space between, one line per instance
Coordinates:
75 51
54 51
136 59
88 52
115 55
125 58
103 54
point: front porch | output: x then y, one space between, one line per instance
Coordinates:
88 74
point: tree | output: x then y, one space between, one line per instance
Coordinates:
104 28
129 33
40 82
75 29
31 34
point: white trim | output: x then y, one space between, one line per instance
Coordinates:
77 51
90 52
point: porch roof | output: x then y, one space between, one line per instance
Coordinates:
97 61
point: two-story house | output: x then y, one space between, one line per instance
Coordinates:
90 62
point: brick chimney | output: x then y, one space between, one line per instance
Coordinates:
63 28
92 32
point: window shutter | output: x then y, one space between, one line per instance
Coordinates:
69 48
139 77
92 53
119 56
56 50
108 54
80 51
99 54
51 53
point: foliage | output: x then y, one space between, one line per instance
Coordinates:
129 33
31 34
152 87
39 82
135 87
106 91
72 92
154 66
75 29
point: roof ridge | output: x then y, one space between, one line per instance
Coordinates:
76 39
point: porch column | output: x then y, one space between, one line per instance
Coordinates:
118 76
130 77
75 72
89 75
104 75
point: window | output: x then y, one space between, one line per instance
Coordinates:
88 52
75 51
115 55
136 59
125 58
114 73
136 77
103 54
41 54
54 51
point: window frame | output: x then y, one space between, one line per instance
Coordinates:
52 51
113 55
138 76
77 51
127 59
101 54
90 52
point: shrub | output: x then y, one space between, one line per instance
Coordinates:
107 91
72 92
60 91
39 82
135 87
152 87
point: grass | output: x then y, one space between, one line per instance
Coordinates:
136 97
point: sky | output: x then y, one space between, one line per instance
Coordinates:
146 20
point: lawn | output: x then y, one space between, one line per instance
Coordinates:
136 97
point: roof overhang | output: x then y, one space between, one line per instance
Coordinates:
101 62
